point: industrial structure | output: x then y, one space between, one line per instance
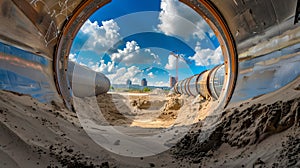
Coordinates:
206 84
173 81
177 56
128 82
144 82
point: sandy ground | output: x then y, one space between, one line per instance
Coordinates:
261 132
33 134
136 124
40 135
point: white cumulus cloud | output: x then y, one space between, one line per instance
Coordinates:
201 28
206 57
133 54
123 74
100 38
178 19
104 68
171 65
72 57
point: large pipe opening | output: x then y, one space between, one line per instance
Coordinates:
139 63
203 8
120 93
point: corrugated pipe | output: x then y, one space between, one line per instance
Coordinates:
208 83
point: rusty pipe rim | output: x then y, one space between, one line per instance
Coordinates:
216 21
61 58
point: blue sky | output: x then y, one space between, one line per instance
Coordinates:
132 39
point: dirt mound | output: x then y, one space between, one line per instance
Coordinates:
140 103
146 102
171 107
194 148
289 156
174 103
114 110
243 129
34 134
168 115
258 122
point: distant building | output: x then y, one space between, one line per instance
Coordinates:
128 82
144 82
172 81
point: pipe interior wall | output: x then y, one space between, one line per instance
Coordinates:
264 32
26 73
267 42
254 22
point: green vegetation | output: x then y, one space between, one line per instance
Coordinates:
146 89
131 90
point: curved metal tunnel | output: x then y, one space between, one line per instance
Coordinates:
260 41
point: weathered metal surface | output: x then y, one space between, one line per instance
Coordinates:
26 73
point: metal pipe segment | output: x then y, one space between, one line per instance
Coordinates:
208 83
86 82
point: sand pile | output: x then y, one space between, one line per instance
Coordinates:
174 103
147 110
171 107
140 102
115 109
249 135
33 134
246 129
149 102
262 132
258 122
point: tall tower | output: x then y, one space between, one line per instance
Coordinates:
128 82
144 82
172 81
177 57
